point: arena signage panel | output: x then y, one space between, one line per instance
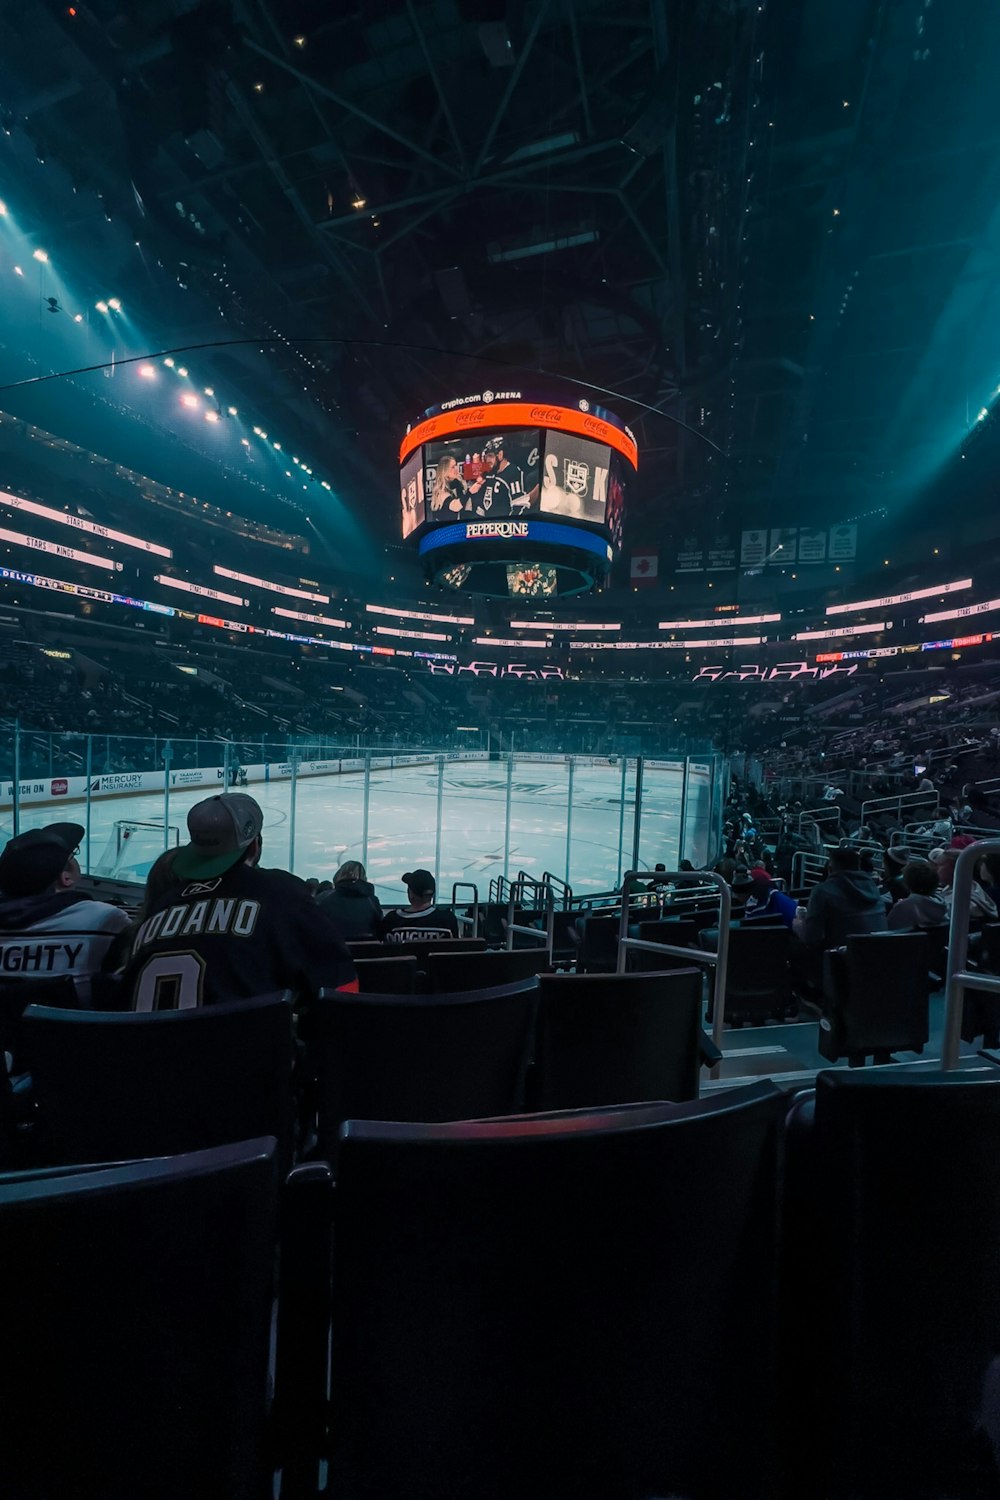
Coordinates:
501 414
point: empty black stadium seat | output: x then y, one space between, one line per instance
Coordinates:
577 1306
418 1057
387 976
114 1086
758 979
598 952
895 1331
604 1039
451 972
678 933
16 996
136 1321
875 993
419 951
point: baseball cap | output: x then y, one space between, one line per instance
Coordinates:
760 872
221 828
420 881
32 861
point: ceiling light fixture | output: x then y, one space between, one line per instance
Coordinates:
115 304
40 255
169 363
181 370
232 411
189 400
147 372
18 271
211 416
101 306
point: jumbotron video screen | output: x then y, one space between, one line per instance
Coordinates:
559 472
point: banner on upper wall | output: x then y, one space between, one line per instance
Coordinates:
812 544
691 555
784 545
645 567
843 543
721 552
753 549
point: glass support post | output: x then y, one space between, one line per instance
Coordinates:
637 819
440 814
367 803
685 789
506 818
291 811
621 818
168 755
16 790
86 819
569 814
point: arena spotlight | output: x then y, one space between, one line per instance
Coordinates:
211 416
115 303
169 363
18 271
3 209
232 411
190 400
78 317
41 255
147 372
209 391
101 306
181 370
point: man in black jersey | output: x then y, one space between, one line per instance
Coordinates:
500 489
228 930
421 921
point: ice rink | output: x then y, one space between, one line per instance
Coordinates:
403 823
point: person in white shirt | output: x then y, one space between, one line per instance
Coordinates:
48 928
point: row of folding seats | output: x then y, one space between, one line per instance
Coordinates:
704 1300
112 1085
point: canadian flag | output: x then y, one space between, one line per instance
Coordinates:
645 566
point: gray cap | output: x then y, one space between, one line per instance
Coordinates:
221 829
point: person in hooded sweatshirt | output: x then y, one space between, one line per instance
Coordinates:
923 905
48 929
848 901
352 903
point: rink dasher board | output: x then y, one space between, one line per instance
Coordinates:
56 789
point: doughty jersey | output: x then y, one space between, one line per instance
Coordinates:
62 934
430 925
244 933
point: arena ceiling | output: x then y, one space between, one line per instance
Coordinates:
769 228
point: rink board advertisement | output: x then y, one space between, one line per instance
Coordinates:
57 789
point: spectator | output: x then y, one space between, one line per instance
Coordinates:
894 864
848 901
421 921
228 930
922 906
48 929
352 905
766 900
982 907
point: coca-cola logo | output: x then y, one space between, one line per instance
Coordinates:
547 414
470 418
594 424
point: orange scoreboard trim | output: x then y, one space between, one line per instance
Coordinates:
519 414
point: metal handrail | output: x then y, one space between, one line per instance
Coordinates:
718 960
821 816
473 921
958 978
561 885
510 927
895 804
800 870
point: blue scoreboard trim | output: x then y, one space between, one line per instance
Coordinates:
548 532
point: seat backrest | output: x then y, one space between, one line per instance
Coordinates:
606 1039
419 1057
387 976
885 1003
568 1304
599 948
904 1186
758 958
16 996
136 1321
111 1086
679 934
420 951
452 972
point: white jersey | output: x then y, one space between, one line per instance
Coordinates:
55 936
